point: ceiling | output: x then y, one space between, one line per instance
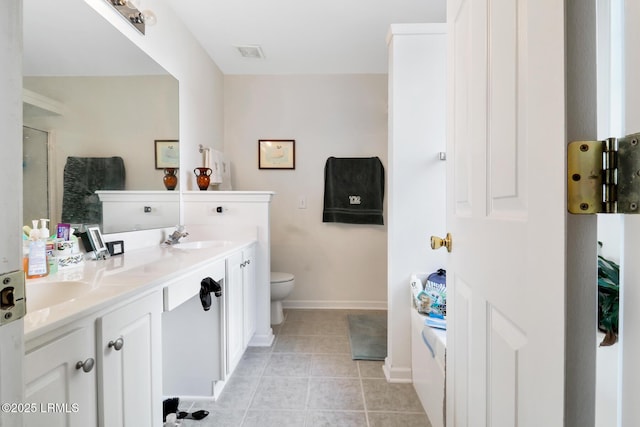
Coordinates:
301 36
68 38
296 36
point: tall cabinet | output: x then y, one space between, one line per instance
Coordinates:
416 173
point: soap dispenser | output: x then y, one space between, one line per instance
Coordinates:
45 236
44 229
34 233
36 264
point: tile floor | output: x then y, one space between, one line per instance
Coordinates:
307 379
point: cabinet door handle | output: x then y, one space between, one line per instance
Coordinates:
87 365
248 261
117 344
243 264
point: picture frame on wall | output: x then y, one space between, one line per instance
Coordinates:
167 153
276 154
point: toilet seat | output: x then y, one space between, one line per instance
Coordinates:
279 277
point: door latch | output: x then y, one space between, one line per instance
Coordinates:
13 305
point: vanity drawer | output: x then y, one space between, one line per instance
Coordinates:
179 290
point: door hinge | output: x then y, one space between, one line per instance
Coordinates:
604 176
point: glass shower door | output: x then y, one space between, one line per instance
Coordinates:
35 172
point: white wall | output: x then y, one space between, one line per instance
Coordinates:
336 265
109 116
171 44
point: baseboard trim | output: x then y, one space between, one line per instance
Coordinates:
197 398
264 340
351 305
216 388
395 374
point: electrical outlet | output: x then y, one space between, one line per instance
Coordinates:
302 202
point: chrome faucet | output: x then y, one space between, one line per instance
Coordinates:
175 237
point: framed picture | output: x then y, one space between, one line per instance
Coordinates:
276 154
167 153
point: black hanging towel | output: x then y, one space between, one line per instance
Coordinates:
353 190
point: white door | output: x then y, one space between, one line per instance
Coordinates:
234 302
11 335
60 393
249 294
130 364
506 213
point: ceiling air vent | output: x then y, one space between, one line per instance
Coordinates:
251 51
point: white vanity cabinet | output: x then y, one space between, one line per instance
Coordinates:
60 380
240 310
102 370
130 365
141 334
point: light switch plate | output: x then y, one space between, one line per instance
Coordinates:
302 202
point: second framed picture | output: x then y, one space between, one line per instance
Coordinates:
276 154
167 154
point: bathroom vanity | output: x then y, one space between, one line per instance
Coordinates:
112 344
108 341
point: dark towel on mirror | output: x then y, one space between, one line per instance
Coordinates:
353 190
82 177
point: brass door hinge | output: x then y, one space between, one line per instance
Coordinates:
604 176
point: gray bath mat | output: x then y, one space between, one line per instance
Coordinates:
368 336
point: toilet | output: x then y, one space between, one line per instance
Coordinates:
281 286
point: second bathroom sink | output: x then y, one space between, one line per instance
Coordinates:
203 244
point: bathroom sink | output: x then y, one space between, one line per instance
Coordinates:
203 244
47 294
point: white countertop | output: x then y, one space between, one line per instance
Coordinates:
118 278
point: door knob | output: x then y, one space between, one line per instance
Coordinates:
438 242
87 365
117 344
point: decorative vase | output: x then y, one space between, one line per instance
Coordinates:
202 177
170 179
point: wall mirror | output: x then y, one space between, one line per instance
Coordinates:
93 94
